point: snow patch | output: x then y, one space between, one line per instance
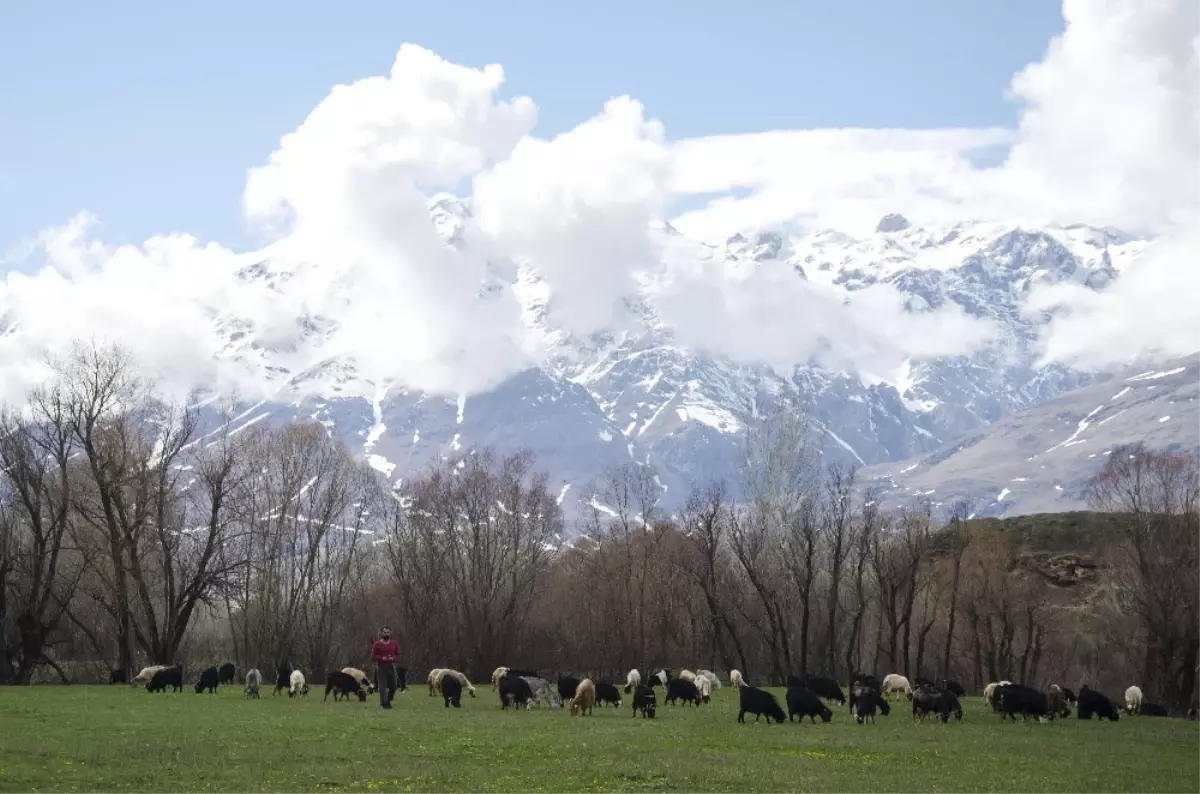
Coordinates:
605 435
1120 394
462 407
1003 493
381 464
562 494
1083 425
1155 375
1164 419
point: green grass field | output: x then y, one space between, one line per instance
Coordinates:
98 738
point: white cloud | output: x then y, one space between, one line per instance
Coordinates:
1109 133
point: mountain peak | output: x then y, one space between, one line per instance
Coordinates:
892 222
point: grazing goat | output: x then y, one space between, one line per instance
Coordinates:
711 676
735 679
803 702
1092 702
209 678
444 672
452 691
362 678
297 686
566 687
607 693
954 687
645 701
894 682
515 691
1148 709
632 681
118 677
226 673
1133 699
824 687
497 674
678 689
584 699
864 701
283 677
687 675
1056 701
146 674
253 682
343 684
166 677
543 692
758 702
704 687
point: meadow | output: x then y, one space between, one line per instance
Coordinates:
100 738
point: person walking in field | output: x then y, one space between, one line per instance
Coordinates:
384 653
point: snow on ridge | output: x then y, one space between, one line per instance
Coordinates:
1155 375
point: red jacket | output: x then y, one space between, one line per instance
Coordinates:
384 653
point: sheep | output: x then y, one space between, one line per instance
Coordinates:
607 693
1133 699
362 678
146 674
687 675
712 678
515 691
632 680
645 701
166 677
443 673
497 674
894 682
209 678
226 673
585 698
735 679
758 702
452 691
705 688
296 684
253 682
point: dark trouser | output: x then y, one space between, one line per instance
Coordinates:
385 682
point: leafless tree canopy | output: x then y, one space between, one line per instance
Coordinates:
132 531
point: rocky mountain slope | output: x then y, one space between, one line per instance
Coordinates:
635 393
1039 460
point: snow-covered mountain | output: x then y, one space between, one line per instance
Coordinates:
633 392
1039 460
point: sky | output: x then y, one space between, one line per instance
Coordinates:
146 153
98 101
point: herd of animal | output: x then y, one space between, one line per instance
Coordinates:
805 696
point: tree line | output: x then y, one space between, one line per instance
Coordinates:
130 534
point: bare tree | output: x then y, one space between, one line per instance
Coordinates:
772 533
39 572
1157 496
838 518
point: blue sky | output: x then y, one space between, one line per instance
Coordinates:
149 114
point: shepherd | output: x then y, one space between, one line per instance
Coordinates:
384 654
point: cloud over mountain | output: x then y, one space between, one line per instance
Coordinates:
356 267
